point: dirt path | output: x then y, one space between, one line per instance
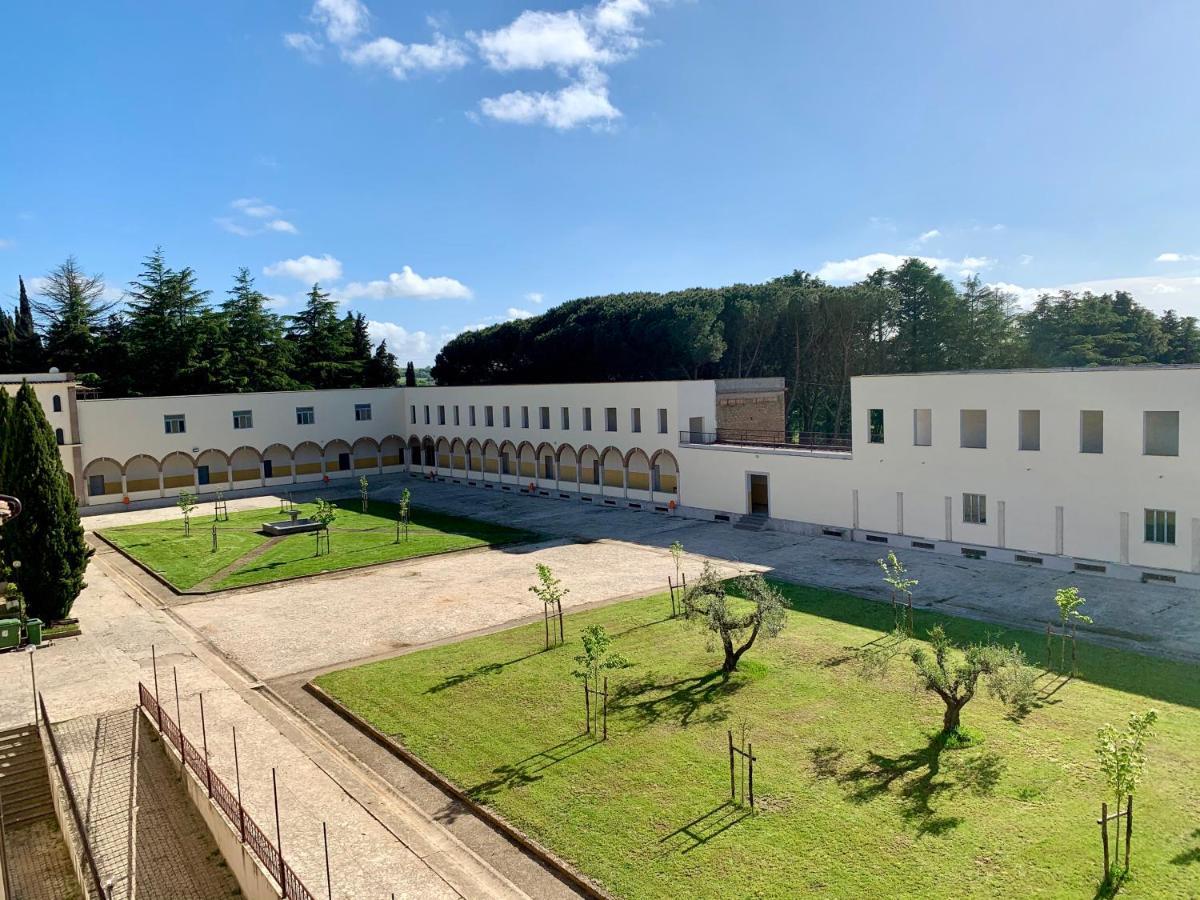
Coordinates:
205 585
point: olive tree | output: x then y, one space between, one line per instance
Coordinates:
759 609
953 674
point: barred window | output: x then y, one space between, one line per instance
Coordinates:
975 509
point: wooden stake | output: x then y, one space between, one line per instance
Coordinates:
732 783
237 774
1104 836
587 705
204 736
278 836
1128 829
154 665
606 707
750 750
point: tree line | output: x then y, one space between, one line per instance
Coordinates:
167 338
816 335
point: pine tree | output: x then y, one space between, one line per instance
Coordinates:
113 367
322 343
165 329
382 370
410 375
73 311
47 537
259 358
360 348
27 345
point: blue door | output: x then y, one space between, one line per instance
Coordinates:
202 474
343 462
267 469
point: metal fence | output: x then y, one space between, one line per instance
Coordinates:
253 836
796 440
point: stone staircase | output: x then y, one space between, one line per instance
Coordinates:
24 781
751 522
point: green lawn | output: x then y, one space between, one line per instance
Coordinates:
356 539
855 797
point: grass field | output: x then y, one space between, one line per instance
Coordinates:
856 795
356 539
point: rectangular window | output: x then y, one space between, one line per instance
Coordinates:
1029 429
305 415
875 426
441 414
524 416
662 421
544 417
610 418
922 427
243 418
426 413
587 418
506 414
412 413
489 417
1091 431
1160 526
1160 433
972 427
471 415
456 422
635 420
174 424
975 509
566 419
362 412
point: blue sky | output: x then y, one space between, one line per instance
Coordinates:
444 166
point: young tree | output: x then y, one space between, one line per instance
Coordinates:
896 576
28 355
676 549
706 604
325 513
73 310
954 680
402 517
364 492
47 538
598 655
1068 600
551 592
1122 755
187 504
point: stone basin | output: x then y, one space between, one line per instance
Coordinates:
295 525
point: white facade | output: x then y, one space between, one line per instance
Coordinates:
1092 469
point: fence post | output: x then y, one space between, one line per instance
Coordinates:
279 837
750 750
204 737
1049 657
1128 829
1104 837
328 880
237 774
587 705
154 665
732 783
606 707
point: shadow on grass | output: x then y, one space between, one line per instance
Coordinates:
689 700
528 770
1188 857
485 669
704 828
916 778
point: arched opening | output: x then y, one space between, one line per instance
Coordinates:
637 470
56 403
277 462
589 466
429 449
546 462
527 460
179 471
246 464
337 456
103 477
59 438
414 451
568 463
366 453
212 468
391 448
443 453
508 458
307 463
491 457
458 455
612 468
474 456
664 472
141 474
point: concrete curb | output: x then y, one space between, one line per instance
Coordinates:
560 868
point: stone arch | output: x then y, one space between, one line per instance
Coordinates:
141 473
458 454
280 458
414 451
474 455
179 470
637 469
664 472
245 464
307 460
103 477
491 457
568 463
526 460
443 453
391 448
508 458
365 453
612 467
429 451
589 465
217 473
546 461
337 456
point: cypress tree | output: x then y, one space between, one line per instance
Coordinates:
382 370
410 375
27 345
47 537
7 343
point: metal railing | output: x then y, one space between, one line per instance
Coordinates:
801 440
253 836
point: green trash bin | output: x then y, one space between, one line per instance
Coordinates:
33 631
10 633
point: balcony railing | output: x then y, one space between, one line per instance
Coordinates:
802 440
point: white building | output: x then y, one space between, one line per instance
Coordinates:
1069 469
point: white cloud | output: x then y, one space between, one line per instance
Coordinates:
401 59
249 216
306 269
406 284
254 207
535 297
1159 294
514 313
1024 296
860 267
275 301
343 20
1176 257
586 101
304 44
282 225
929 235
5 243
535 40
1024 259
419 346
233 227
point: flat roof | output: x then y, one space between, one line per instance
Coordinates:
1148 367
